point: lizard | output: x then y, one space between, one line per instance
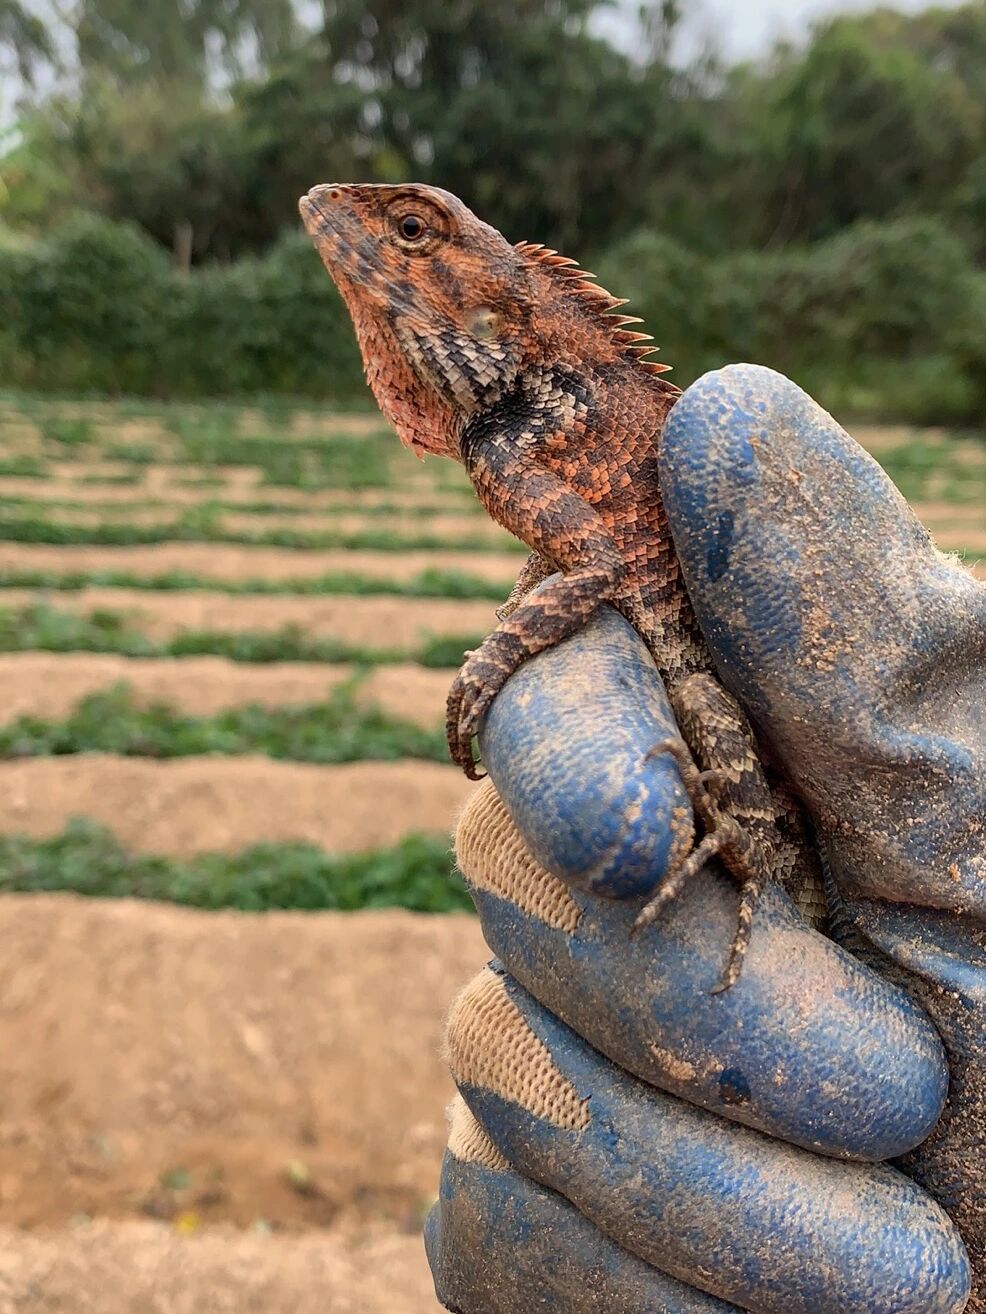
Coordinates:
514 361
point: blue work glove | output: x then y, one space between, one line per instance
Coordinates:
625 1140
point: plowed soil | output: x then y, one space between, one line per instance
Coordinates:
225 804
224 1113
147 1268
277 1072
161 483
377 622
233 562
50 685
281 1067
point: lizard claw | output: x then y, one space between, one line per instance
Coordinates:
483 675
469 700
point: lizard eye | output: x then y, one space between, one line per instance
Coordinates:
411 227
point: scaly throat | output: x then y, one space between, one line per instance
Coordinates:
423 420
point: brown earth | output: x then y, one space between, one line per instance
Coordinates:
878 438
270 1084
234 561
197 804
945 515
278 1067
467 528
51 684
151 476
320 424
171 494
972 540
378 622
148 1268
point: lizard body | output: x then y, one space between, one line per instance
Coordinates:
512 360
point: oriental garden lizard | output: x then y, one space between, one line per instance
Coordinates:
514 361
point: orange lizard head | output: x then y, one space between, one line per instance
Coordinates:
448 314
441 303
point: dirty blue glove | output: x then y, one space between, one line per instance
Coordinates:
626 1141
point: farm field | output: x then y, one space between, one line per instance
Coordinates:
226 636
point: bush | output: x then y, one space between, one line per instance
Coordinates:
97 308
885 319
87 309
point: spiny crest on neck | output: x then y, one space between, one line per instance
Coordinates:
580 283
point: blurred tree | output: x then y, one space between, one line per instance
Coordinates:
24 37
139 41
875 118
204 120
546 129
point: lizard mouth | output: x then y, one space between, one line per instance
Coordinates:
316 220
332 218
324 222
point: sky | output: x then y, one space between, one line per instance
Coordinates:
738 29
744 29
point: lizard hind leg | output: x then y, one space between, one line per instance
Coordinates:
720 769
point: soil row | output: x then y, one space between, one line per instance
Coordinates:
234 561
188 805
222 1271
372 622
50 685
158 485
277 1067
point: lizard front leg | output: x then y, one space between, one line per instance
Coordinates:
566 532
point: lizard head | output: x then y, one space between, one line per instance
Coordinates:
441 302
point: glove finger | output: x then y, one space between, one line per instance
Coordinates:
567 743
944 959
809 1044
860 653
747 1218
858 649
498 1243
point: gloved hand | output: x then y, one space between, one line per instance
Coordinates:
625 1140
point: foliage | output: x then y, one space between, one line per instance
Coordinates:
345 461
431 583
777 208
880 319
341 729
40 627
86 859
96 308
201 525
25 37
871 118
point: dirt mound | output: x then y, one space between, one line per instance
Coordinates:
146 1268
234 562
159 482
199 804
379 622
51 684
278 1070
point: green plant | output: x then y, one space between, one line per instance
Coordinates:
87 859
340 729
430 583
44 628
202 525
74 432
